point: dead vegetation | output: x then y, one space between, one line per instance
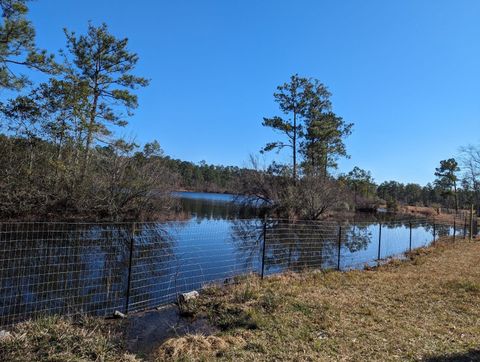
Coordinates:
64 339
194 345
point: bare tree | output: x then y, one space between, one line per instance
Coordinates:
315 196
470 159
272 188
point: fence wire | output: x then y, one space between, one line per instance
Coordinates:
68 268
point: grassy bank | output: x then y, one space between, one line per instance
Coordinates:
56 339
425 308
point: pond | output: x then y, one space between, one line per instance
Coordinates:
219 222
100 268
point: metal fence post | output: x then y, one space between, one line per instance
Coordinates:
434 233
130 260
465 227
339 246
410 244
264 246
471 223
454 229
379 241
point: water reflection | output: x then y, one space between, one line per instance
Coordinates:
69 268
247 238
356 237
203 206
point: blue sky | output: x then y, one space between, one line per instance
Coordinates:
407 73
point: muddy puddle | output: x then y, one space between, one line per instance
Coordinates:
146 331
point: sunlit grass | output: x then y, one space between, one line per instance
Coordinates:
423 308
417 309
63 339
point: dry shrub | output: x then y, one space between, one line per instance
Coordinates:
425 211
196 347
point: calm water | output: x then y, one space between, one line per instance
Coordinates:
66 268
221 240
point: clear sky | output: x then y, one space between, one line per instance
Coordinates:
406 72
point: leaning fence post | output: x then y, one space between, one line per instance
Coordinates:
339 246
379 241
130 260
410 244
264 245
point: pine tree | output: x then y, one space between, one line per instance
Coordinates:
103 65
292 101
17 46
447 178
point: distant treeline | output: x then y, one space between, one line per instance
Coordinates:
416 195
456 186
206 178
394 194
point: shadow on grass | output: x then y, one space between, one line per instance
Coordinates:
471 356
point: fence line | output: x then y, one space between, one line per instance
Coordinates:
99 268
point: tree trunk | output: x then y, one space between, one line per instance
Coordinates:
88 144
325 165
295 147
456 197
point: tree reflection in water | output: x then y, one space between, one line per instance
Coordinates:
154 264
289 245
304 245
68 268
247 238
356 237
204 209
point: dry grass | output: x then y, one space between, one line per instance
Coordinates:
425 308
196 345
435 214
57 339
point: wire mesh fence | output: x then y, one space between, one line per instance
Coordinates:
68 268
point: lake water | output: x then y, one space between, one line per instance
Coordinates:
100 268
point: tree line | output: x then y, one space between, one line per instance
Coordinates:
61 155
456 186
205 177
